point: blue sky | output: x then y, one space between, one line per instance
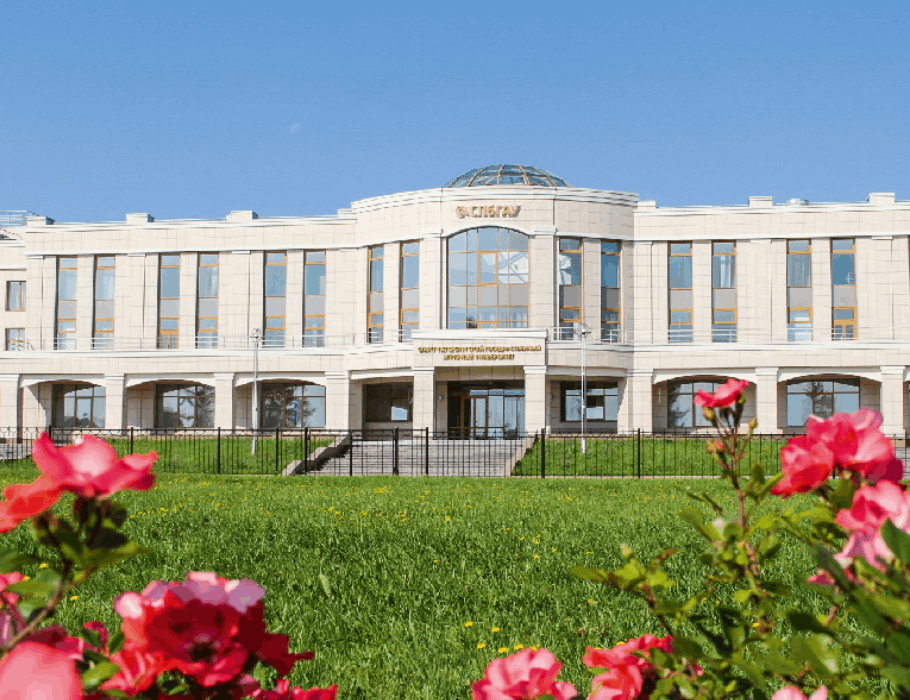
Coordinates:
192 109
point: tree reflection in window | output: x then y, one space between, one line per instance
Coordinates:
681 409
186 406
286 405
822 398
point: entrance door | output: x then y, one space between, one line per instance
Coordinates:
479 411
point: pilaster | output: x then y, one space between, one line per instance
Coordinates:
636 411
892 400
114 390
9 401
766 399
337 400
424 402
224 400
535 398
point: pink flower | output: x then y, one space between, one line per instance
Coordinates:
626 672
33 671
91 469
283 691
857 444
11 620
522 676
24 501
806 464
792 693
725 396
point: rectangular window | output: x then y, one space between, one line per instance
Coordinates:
78 406
103 328
723 292
168 300
276 289
388 403
610 315
822 398
15 296
286 405
207 301
15 339
601 404
680 288
843 289
570 286
799 291
65 338
374 300
410 289
185 406
314 298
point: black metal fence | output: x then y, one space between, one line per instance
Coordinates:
415 452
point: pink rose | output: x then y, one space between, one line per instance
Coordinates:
24 501
33 671
626 671
857 444
283 691
806 464
725 396
523 676
792 693
11 620
90 468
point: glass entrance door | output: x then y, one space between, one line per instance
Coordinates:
478 411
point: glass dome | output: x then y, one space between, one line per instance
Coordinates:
507 175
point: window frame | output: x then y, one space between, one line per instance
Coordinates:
15 301
844 329
168 338
407 326
593 389
65 326
207 337
274 326
103 337
401 391
375 286
679 331
797 330
610 331
15 344
314 335
164 388
723 331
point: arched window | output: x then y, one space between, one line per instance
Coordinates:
78 406
488 279
681 409
186 406
821 397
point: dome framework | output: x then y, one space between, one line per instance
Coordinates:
507 175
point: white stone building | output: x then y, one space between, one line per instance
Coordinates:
459 308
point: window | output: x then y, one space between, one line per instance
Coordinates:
723 292
314 298
601 404
276 289
374 299
680 287
15 296
168 301
568 274
799 291
410 289
65 338
843 289
293 405
185 406
15 339
207 301
103 331
822 398
488 279
681 409
610 317
78 406
388 403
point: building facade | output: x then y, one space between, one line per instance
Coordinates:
474 308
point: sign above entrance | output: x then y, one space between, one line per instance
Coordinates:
480 353
492 211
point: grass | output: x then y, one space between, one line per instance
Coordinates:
406 588
626 455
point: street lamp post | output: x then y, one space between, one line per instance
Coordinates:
255 336
582 332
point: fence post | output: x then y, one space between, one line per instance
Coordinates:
277 450
638 451
218 452
543 453
426 450
131 440
306 449
395 452
350 453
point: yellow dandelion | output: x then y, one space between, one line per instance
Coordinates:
74 597
590 602
537 556
502 650
481 646
518 646
552 550
448 519
468 624
42 565
494 630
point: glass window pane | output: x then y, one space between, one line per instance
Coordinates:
842 269
681 273
170 283
680 248
104 284
609 247
488 268
410 271
609 271
846 403
314 284
724 271
275 280
66 289
376 270
208 282
842 244
798 271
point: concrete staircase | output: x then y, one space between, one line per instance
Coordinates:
433 458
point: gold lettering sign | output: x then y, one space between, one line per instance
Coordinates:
492 211
478 352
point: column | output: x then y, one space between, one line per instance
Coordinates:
702 288
337 400
9 401
35 413
542 286
114 390
432 280
224 400
640 392
535 398
424 404
892 400
766 399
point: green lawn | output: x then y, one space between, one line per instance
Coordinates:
406 587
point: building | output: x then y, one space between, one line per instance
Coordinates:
469 308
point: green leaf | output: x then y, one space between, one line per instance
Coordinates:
817 651
896 608
11 560
598 575
898 642
100 558
97 674
32 588
753 672
804 622
898 675
758 473
897 540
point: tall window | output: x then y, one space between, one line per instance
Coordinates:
207 301
374 298
78 406
843 289
388 403
185 406
681 409
276 289
168 301
723 292
822 398
293 405
314 298
15 296
488 279
610 315
601 403
15 339
680 284
799 291
66 304
103 332
410 289
569 278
